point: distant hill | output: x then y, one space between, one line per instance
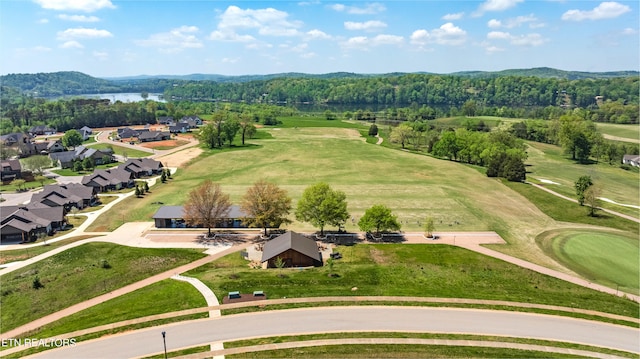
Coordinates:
74 83
547 72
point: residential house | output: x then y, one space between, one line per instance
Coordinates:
42 130
20 224
47 147
193 121
11 169
66 195
180 127
129 133
142 167
65 159
15 138
632 160
168 121
108 180
173 217
85 132
294 249
150 136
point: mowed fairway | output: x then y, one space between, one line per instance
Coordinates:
604 257
459 197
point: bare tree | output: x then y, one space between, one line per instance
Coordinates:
592 199
266 206
205 205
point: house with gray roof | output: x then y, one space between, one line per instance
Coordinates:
10 170
142 167
173 217
111 179
150 136
20 224
66 195
631 160
294 249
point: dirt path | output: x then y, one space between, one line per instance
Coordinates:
380 139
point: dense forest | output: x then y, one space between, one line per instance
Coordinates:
393 98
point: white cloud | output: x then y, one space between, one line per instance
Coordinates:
100 55
228 60
493 49
365 43
372 25
495 5
43 21
532 39
317 34
76 5
452 17
300 48
629 31
267 21
71 45
369 9
174 40
447 34
308 55
230 36
606 10
78 18
83 33
515 22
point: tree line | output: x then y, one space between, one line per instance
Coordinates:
268 206
422 89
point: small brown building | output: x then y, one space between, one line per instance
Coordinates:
294 249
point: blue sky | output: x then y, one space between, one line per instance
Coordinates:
107 38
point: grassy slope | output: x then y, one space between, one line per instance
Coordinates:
413 186
77 275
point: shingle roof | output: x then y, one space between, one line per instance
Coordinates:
290 240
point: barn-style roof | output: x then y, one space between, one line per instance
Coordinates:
291 240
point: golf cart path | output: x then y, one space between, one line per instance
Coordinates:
622 215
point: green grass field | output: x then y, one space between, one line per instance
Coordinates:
408 270
78 274
121 151
608 258
547 162
625 131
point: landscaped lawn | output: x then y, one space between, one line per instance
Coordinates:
71 172
408 270
608 258
121 151
79 274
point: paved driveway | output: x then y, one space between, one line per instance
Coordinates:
364 319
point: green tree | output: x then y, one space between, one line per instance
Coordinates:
230 129
146 186
72 138
581 186
447 146
41 179
266 206
7 152
137 192
18 183
429 227
401 134
77 166
88 163
37 163
378 218
373 130
320 205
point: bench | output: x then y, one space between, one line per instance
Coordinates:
234 295
258 293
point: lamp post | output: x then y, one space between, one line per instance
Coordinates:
164 341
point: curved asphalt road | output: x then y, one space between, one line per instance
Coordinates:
361 319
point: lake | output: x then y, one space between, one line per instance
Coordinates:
123 97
